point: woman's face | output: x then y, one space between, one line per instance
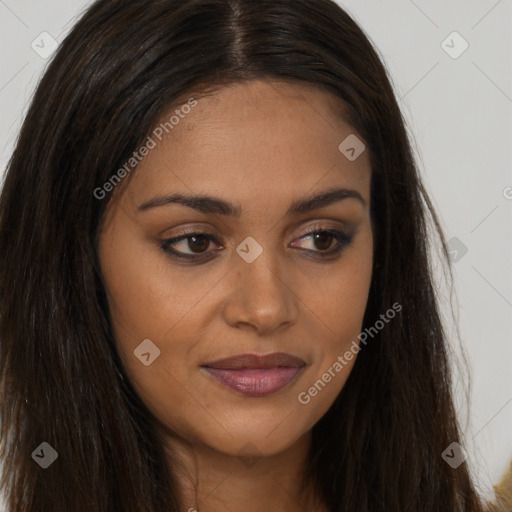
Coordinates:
260 285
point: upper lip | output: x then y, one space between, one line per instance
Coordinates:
256 362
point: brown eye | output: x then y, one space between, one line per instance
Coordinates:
198 243
188 245
194 246
323 240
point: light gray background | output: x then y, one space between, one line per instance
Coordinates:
459 113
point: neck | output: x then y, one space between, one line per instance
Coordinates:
212 481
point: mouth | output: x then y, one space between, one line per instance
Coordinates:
254 375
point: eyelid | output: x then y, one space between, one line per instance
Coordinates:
342 238
319 226
202 231
183 236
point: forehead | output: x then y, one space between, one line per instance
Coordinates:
249 141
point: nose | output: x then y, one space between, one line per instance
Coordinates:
260 297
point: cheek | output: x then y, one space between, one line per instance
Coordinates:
149 302
337 303
147 295
337 297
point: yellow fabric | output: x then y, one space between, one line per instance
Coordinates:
503 493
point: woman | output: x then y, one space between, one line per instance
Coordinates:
215 283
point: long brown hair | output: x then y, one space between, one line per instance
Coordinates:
380 445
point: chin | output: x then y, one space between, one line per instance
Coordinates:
255 441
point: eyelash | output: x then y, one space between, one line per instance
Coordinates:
341 237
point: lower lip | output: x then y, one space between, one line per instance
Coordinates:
255 382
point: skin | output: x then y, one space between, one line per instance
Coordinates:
261 145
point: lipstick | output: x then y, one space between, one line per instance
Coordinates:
255 375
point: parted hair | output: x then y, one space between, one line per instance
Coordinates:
125 62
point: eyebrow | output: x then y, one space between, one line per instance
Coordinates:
209 204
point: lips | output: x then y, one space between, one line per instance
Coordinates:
254 375
255 362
